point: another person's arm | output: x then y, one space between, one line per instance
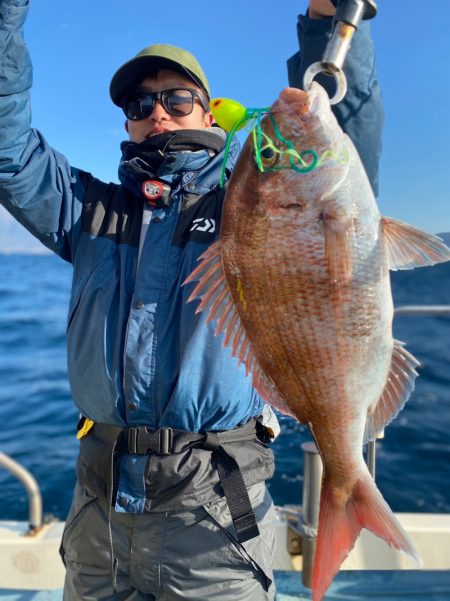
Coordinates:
360 113
37 185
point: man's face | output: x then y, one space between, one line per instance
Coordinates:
160 120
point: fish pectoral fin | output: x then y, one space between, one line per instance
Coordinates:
212 288
337 235
408 247
399 385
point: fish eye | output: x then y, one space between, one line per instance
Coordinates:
268 156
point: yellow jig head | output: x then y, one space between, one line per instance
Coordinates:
228 113
231 116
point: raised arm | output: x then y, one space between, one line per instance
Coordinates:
360 113
37 185
321 8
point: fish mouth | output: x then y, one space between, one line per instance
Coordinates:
291 100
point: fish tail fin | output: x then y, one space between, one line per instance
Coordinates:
342 518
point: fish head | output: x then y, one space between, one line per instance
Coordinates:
295 156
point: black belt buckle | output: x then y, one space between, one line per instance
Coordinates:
132 441
141 441
165 441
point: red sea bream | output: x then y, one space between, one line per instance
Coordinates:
298 285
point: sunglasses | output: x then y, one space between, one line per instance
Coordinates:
178 102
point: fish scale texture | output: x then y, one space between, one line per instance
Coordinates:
312 337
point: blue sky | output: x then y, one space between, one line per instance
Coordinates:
243 46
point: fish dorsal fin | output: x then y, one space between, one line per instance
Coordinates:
408 247
212 288
399 385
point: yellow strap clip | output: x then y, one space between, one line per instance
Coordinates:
87 425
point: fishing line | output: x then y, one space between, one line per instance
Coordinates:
302 162
295 158
249 115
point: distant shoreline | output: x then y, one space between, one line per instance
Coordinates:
26 251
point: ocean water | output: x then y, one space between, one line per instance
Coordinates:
38 418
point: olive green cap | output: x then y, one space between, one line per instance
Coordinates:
150 60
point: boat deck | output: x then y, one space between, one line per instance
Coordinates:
351 585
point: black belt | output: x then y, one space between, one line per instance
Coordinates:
165 441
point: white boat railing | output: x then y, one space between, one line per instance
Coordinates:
422 310
31 487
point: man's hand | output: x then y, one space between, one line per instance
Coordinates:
321 8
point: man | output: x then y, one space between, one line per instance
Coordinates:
171 501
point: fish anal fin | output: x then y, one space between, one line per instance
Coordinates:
341 519
212 288
408 247
398 388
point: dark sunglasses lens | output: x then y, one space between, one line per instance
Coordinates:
178 102
139 108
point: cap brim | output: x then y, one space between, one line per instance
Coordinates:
130 75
